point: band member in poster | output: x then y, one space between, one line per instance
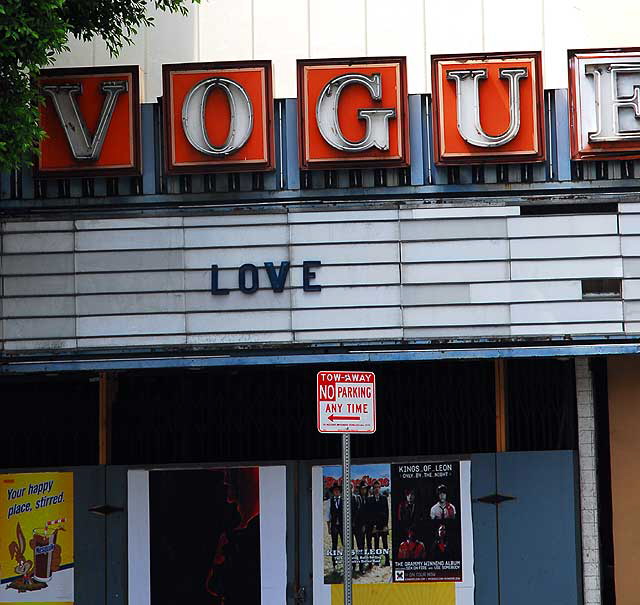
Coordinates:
442 509
407 511
440 549
334 522
360 522
411 549
378 513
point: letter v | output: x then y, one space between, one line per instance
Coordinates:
277 278
84 146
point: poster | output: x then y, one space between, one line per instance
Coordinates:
36 538
205 536
371 523
427 536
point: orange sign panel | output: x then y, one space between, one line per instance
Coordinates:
353 112
218 117
488 108
91 117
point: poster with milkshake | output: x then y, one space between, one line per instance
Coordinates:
36 538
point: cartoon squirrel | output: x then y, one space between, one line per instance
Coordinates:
16 551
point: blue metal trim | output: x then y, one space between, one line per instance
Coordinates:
509 193
416 120
148 148
550 135
563 147
26 177
291 145
5 185
273 179
99 191
26 367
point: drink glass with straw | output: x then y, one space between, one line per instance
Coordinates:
44 543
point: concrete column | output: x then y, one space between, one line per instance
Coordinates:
588 485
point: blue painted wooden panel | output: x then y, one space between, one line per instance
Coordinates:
485 534
149 148
417 130
116 535
26 175
291 144
5 185
561 127
89 530
537 532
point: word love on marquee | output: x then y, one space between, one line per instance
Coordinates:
487 108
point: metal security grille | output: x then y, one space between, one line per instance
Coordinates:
541 408
49 422
269 413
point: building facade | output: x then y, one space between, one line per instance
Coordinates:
463 225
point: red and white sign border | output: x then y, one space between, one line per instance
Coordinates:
346 429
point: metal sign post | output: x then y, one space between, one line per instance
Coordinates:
346 517
346 404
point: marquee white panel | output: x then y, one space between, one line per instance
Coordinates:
387 274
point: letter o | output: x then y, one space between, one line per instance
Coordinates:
242 278
240 123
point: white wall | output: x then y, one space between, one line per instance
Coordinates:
286 30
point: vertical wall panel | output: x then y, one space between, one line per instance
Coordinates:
242 29
337 28
441 19
174 39
398 29
510 27
226 31
281 33
539 558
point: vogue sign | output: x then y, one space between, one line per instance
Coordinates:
352 112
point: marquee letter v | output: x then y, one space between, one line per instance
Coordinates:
84 145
